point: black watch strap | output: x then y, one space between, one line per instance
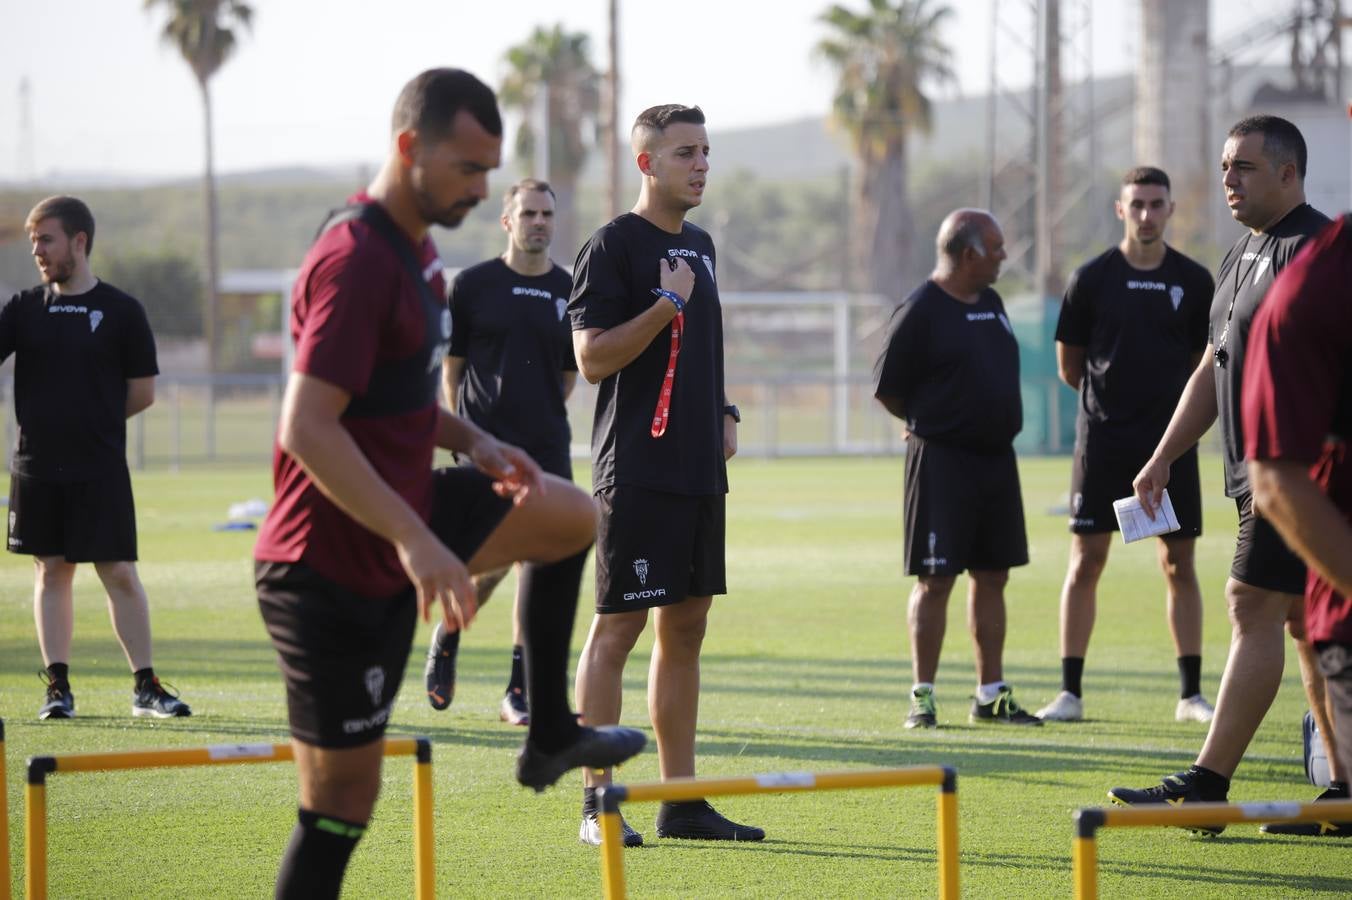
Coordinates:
733 411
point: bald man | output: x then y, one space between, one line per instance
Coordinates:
950 372
648 328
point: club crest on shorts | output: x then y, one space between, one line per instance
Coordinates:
95 317
375 684
641 570
933 560
1077 502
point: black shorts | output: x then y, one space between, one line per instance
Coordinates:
1101 474
1262 558
963 510
343 654
84 521
654 548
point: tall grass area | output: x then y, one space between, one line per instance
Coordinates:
805 668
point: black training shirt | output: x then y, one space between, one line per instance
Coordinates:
514 337
74 356
1141 330
612 283
954 367
1243 279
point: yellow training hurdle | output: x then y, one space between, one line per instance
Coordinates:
945 777
39 767
1084 854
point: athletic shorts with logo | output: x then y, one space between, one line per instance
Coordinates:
654 548
1262 558
343 654
83 521
963 510
1101 474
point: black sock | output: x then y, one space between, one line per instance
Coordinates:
59 673
316 857
550 602
144 677
1072 671
1189 676
1211 785
517 680
1337 790
589 805
444 641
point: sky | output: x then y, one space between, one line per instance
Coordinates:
314 82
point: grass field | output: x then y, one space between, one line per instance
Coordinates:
805 668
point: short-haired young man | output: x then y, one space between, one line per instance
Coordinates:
1132 328
84 364
1263 162
363 535
950 371
509 370
648 327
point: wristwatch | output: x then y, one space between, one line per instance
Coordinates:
733 411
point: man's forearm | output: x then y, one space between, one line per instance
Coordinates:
603 352
456 432
1195 413
1307 520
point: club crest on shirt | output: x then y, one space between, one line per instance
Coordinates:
95 317
709 264
1175 296
1261 268
1004 320
445 323
561 306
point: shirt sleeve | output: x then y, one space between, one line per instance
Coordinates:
9 327
138 345
346 302
1301 338
600 297
460 317
895 372
1076 322
1199 320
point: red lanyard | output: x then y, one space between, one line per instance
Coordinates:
663 411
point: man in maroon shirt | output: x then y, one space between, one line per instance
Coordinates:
1297 403
363 535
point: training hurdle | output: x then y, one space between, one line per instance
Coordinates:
946 777
4 819
39 767
1084 854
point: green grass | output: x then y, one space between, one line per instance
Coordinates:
805 668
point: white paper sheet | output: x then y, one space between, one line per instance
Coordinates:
1135 524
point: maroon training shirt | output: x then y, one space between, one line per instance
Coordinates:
1298 391
353 308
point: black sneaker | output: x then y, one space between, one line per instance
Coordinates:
440 671
513 709
922 709
1003 710
60 703
698 820
1173 790
590 832
595 748
158 700
1313 829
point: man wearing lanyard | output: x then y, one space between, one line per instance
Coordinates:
648 327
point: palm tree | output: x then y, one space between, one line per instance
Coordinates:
559 62
883 58
204 32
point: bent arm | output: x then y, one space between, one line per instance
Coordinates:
140 394
1308 521
601 352
1070 364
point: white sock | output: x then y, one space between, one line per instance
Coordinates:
985 693
922 686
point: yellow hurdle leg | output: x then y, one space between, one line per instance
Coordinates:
35 836
4 820
1084 866
612 844
424 873
948 838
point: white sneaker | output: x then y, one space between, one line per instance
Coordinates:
1066 707
1194 709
